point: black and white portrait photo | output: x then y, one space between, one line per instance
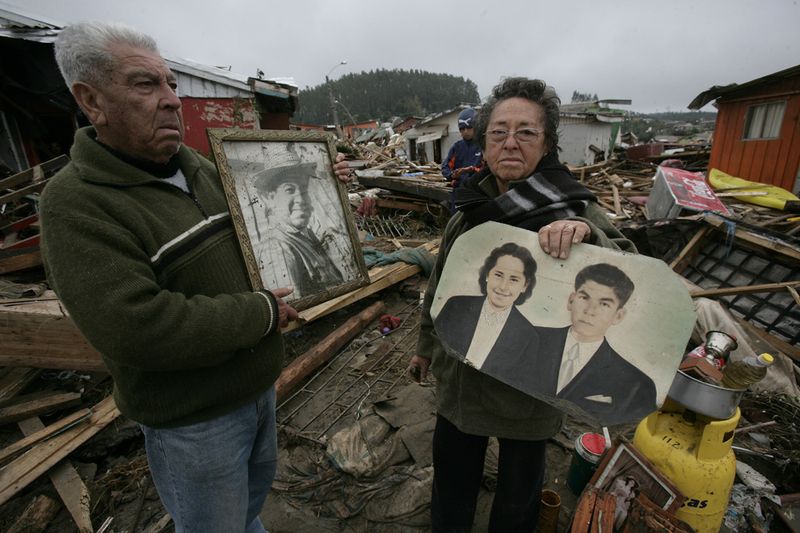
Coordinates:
600 334
294 218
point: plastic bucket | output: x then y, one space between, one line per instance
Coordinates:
588 449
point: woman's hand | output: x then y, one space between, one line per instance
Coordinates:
557 238
418 368
342 169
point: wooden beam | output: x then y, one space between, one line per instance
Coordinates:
763 242
45 340
37 404
36 516
15 380
65 479
393 204
303 366
16 260
18 474
409 185
748 289
772 340
43 433
689 251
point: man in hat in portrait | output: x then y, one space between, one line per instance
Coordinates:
290 241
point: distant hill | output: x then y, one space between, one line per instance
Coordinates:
383 94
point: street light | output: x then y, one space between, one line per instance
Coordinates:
331 98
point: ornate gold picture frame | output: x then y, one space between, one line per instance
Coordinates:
290 212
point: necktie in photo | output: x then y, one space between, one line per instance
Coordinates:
569 366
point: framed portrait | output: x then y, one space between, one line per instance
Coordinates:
625 473
290 212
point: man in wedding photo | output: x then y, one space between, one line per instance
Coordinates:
588 371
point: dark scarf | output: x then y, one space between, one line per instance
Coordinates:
550 193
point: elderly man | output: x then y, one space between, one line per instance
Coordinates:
139 245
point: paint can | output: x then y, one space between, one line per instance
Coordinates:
588 449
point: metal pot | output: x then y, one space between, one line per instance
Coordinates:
704 398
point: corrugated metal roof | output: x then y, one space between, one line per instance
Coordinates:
722 90
16 23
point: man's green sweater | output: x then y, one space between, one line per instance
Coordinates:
154 278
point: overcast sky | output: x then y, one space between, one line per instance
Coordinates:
660 54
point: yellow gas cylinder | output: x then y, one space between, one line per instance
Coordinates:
694 452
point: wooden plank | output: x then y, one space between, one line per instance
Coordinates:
747 289
303 366
19 224
45 341
393 204
65 479
764 242
410 185
794 294
689 251
16 260
617 204
19 193
36 516
772 340
43 433
14 380
18 474
38 405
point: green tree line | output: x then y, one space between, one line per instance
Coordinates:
383 94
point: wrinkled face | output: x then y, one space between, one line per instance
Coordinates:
510 159
289 203
140 112
593 309
505 282
467 133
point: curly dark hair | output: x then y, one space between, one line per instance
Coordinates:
528 268
534 90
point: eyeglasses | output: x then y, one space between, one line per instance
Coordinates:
462 127
523 135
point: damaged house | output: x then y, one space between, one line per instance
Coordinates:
39 116
757 135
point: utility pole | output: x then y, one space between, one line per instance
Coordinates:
333 100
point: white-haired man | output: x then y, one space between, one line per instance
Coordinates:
139 245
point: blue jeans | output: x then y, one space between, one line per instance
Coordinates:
214 476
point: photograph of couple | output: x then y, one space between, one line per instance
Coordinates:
564 331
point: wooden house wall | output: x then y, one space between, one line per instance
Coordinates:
773 161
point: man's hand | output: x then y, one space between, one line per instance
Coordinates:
286 313
557 238
342 169
418 368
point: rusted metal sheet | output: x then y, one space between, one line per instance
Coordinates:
202 113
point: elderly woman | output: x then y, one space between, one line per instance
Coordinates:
523 185
486 330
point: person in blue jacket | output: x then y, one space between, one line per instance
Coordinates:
465 156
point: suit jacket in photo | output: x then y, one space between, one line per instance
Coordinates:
608 387
514 352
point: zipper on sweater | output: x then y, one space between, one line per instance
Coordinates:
197 203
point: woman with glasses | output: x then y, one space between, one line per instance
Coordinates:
523 184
